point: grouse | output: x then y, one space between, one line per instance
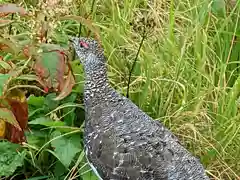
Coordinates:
121 141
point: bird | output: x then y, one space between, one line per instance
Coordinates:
121 141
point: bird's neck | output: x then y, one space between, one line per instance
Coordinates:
96 86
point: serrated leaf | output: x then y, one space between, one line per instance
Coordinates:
9 158
8 116
71 147
46 121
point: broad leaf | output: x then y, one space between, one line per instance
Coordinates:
66 147
36 101
10 159
49 103
37 138
8 116
19 107
50 68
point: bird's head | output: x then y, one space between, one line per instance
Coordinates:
89 51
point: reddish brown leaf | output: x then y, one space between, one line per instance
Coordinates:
67 87
19 107
6 9
15 135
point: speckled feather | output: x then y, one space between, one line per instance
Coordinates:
122 142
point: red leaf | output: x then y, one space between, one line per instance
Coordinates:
15 135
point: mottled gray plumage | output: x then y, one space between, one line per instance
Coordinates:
122 142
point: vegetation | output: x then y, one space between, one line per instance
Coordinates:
186 75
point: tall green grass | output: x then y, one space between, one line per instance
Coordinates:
187 74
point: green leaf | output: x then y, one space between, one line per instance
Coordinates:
9 158
7 116
59 169
36 101
3 79
66 147
46 121
36 138
50 61
50 103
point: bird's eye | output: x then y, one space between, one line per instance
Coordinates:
83 44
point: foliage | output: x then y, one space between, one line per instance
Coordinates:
187 75
10 159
